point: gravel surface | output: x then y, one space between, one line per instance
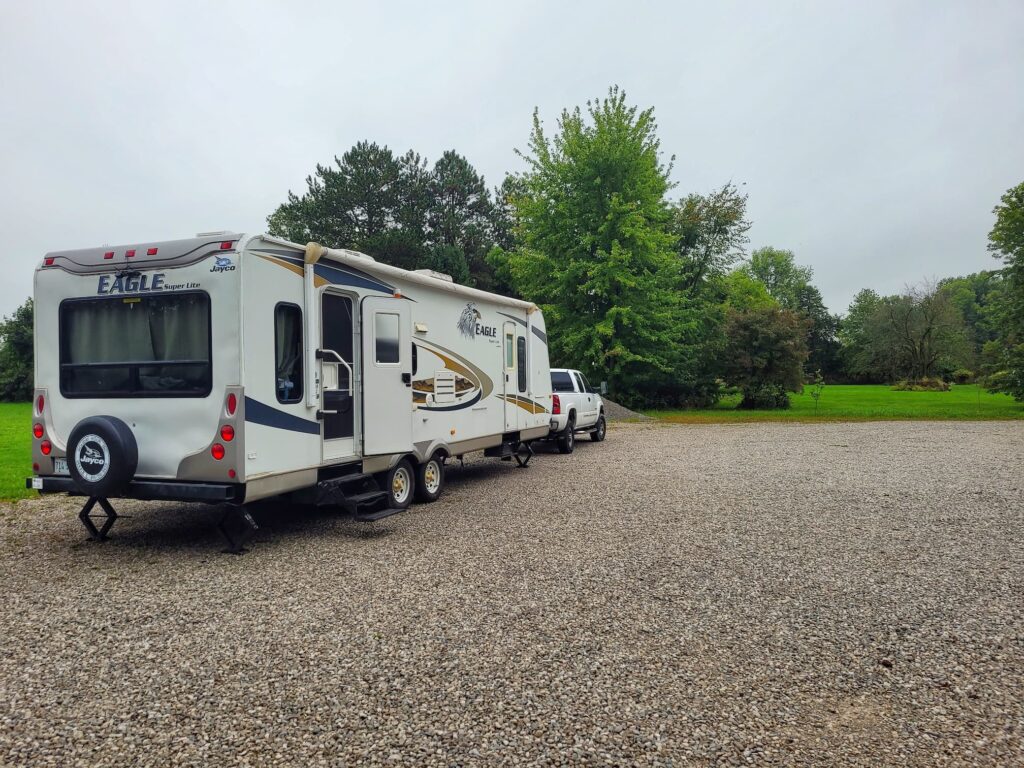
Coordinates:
796 594
616 412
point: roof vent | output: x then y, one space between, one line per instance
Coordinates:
434 274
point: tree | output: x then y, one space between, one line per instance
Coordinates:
790 285
863 360
711 232
765 354
918 334
17 358
460 215
1006 241
397 210
597 254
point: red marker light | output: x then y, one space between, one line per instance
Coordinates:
108 255
48 261
35 467
40 402
232 474
151 251
45 447
217 451
232 404
227 433
37 430
130 253
226 245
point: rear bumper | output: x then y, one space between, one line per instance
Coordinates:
149 490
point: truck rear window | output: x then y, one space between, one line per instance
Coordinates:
136 346
561 382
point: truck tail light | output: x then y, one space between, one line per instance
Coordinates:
556 405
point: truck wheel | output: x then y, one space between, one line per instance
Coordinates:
430 479
400 484
598 432
567 440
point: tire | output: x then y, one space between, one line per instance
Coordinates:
567 440
430 479
400 485
597 434
102 456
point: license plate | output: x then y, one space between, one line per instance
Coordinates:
60 467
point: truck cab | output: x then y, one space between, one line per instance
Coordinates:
576 407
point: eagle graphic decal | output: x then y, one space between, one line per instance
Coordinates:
467 321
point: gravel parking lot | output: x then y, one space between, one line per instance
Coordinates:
815 594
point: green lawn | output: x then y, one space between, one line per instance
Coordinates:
15 450
864 402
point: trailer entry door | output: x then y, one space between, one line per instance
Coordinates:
387 376
336 367
508 349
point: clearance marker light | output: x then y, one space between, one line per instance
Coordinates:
129 253
151 252
226 245
108 255
232 404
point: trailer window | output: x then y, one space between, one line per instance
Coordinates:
386 337
521 352
288 353
560 382
136 346
510 362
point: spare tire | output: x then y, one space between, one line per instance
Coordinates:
102 455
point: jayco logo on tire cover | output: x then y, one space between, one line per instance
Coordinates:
92 458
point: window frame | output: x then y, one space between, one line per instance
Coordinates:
302 357
62 352
521 372
378 313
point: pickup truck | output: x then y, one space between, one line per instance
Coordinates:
575 407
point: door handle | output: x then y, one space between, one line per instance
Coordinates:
407 379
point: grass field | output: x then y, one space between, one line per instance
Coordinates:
15 450
864 402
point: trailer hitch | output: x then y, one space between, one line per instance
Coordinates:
97 534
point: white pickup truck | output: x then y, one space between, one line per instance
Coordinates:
575 407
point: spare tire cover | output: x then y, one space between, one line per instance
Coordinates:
102 455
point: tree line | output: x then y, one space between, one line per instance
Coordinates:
652 292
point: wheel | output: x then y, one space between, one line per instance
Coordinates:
400 484
567 440
102 456
430 478
598 432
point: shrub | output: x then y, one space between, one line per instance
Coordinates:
921 385
768 396
962 376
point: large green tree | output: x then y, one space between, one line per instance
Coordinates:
790 284
1006 241
398 210
16 355
598 255
711 232
765 354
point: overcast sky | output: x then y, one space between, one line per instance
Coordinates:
874 139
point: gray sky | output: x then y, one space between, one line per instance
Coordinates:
874 139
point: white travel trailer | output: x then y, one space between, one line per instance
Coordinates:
229 368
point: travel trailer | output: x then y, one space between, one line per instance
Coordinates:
229 368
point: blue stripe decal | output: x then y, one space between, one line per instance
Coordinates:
260 413
337 275
536 331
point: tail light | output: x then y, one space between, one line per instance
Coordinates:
37 430
45 447
556 405
217 451
227 433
